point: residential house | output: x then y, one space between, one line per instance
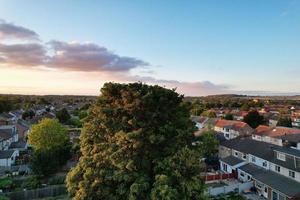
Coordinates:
8 135
275 135
274 170
7 119
23 128
7 158
17 113
295 116
232 129
239 116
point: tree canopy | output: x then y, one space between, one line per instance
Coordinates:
254 119
48 134
137 144
63 115
51 146
285 121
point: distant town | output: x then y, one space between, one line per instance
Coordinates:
256 153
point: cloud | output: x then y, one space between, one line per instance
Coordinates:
82 58
199 88
89 57
23 55
11 31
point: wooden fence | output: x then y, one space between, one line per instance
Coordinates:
50 191
216 177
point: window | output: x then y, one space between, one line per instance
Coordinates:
244 156
281 197
224 167
236 153
253 159
259 185
277 168
292 174
274 195
242 174
281 156
248 178
264 164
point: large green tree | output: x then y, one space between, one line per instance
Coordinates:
285 121
48 134
136 144
254 119
51 146
63 116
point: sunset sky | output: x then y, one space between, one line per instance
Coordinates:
199 47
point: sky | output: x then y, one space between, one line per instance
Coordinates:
199 47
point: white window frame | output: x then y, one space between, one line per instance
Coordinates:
292 172
281 156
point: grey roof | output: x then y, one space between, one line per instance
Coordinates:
6 134
278 182
250 168
18 145
6 116
249 146
290 151
291 137
6 154
231 160
262 150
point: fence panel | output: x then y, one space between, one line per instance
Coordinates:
50 191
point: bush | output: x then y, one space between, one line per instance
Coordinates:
6 183
4 198
57 180
31 183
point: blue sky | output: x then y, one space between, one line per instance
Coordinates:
239 45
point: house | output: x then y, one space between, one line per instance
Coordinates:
7 158
7 119
8 135
295 117
39 110
17 113
200 121
275 135
274 170
23 128
239 116
232 129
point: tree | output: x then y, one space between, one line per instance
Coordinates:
245 107
51 146
137 144
285 121
228 117
63 115
210 114
254 119
28 114
209 144
5 105
48 134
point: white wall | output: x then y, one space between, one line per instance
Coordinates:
258 161
285 172
267 139
5 162
244 178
